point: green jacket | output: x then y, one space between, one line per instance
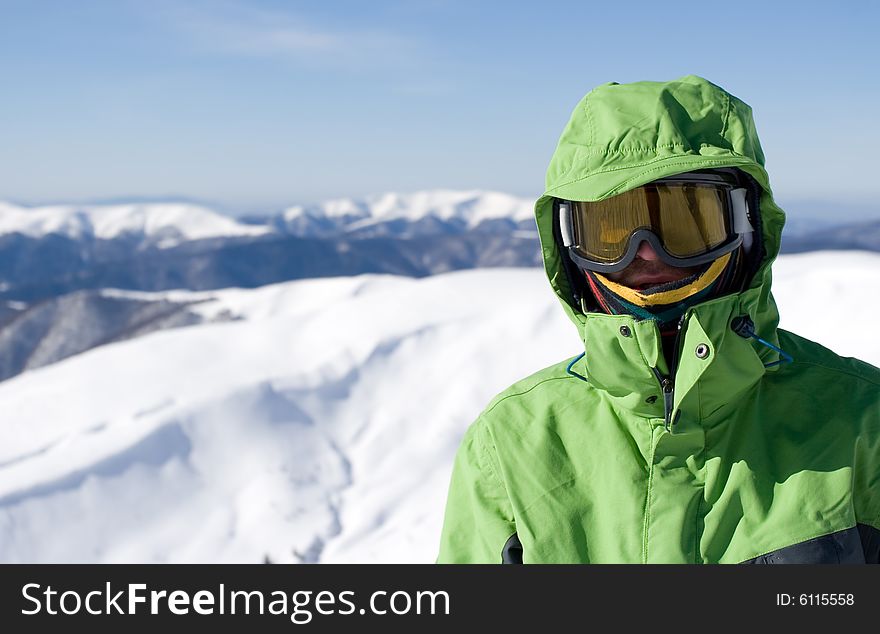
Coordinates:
747 463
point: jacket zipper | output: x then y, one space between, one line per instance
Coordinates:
667 383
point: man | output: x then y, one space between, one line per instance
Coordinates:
692 429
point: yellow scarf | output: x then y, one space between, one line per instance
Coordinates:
667 297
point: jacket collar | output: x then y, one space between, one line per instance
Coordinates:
715 366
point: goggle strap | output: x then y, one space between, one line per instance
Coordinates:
565 224
741 224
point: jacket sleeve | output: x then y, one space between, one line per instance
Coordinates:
479 517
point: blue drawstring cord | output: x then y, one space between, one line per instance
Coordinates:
745 327
786 358
571 365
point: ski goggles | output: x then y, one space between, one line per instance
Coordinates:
689 219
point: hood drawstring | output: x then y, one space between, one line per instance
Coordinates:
745 328
571 365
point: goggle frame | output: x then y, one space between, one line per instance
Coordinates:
736 207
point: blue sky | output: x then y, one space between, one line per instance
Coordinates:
262 104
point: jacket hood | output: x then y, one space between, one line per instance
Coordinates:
621 136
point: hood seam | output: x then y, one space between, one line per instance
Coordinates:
726 116
590 125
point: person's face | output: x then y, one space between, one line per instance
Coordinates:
647 270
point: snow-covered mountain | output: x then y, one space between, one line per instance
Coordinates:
165 225
861 235
161 225
420 213
46 252
318 426
54 329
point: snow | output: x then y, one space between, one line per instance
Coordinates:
167 224
321 426
831 297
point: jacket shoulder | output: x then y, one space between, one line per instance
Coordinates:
552 379
808 353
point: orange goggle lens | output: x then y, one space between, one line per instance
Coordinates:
689 219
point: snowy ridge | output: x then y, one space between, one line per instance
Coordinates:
159 224
320 426
168 224
466 208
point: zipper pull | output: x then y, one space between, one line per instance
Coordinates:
667 385
669 382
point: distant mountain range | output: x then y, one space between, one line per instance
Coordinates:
167 225
46 252
863 236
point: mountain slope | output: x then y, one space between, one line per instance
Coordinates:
320 426
64 326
